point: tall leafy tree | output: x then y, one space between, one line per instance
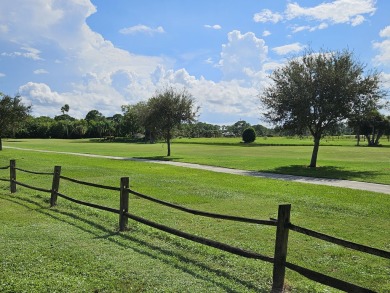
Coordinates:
96 123
64 121
168 109
317 91
238 128
37 127
134 118
373 127
117 121
80 128
93 115
12 113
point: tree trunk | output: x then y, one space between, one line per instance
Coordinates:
367 136
313 162
358 137
1 144
378 136
169 144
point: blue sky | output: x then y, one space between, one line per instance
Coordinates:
99 54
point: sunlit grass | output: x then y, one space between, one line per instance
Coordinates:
337 158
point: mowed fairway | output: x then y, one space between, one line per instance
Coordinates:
338 157
72 248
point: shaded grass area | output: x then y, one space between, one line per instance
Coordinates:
327 172
73 248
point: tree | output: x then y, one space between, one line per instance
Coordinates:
96 123
237 128
117 121
12 112
373 127
168 109
93 115
38 127
387 130
80 128
260 130
65 108
249 135
317 91
363 109
134 118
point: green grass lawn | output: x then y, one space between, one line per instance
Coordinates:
72 248
338 157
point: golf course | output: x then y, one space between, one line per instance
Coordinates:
75 248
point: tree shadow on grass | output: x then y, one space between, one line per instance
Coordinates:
328 172
14 140
135 243
158 158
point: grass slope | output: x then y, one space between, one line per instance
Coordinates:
77 249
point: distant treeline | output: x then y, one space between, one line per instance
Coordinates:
96 125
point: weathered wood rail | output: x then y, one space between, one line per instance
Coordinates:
282 224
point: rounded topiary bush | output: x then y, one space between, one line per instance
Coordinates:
249 135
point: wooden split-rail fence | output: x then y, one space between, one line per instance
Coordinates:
282 223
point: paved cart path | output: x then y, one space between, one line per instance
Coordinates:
374 187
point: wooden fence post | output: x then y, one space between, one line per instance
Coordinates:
124 203
12 176
55 186
281 248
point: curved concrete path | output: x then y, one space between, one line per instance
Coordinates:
374 187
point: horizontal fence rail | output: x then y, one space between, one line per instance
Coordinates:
33 172
205 214
31 187
92 205
327 280
283 226
90 184
4 168
341 242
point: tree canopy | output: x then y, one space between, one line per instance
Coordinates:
65 108
168 109
12 113
317 91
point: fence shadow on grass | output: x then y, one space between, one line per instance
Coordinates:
134 242
326 172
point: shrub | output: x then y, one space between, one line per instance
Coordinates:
249 135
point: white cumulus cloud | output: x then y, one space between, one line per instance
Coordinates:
40 71
266 33
353 12
215 26
321 26
28 52
141 29
242 54
267 15
385 33
383 58
290 48
335 12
